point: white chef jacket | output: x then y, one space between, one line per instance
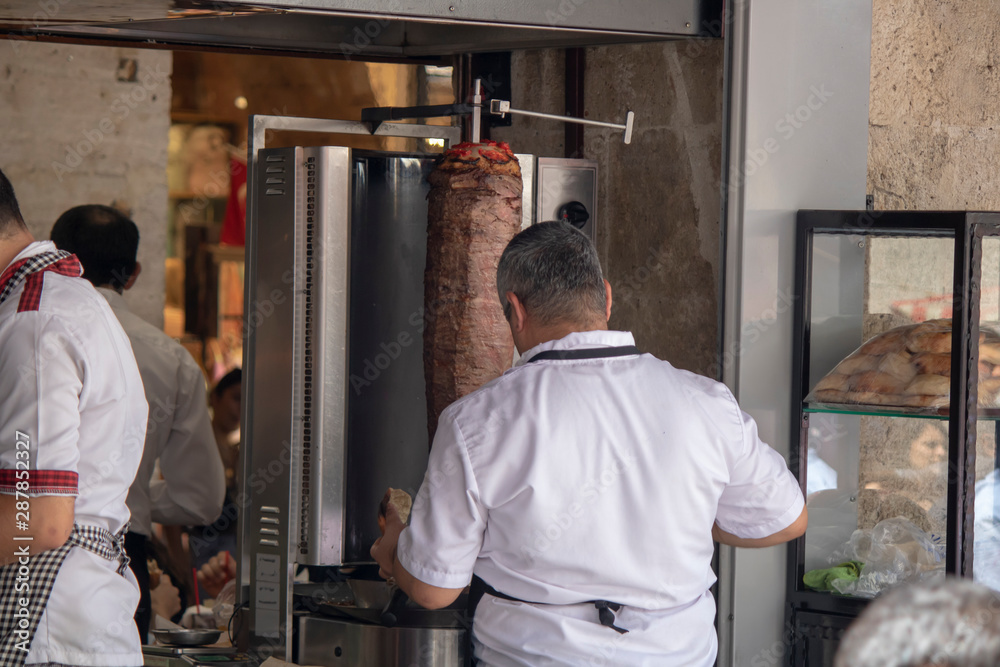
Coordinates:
986 532
567 481
70 383
178 432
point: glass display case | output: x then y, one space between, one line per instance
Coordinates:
896 391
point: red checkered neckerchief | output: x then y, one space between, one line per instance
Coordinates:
59 260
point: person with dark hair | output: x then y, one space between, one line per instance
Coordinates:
72 421
105 241
581 490
180 480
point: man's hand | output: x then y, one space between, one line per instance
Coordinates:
218 571
165 599
389 567
384 549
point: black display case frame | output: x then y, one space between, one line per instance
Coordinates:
815 620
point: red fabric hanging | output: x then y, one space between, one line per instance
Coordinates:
234 224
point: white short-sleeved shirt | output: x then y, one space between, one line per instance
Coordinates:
178 433
567 481
70 384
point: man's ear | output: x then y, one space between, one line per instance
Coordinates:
518 315
132 278
607 304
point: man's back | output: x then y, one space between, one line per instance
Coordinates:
178 432
596 480
73 385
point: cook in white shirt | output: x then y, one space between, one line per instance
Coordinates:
190 484
72 392
588 473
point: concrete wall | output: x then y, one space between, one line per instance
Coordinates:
88 125
658 198
934 138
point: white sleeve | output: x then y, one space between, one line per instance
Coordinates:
447 522
194 482
762 497
42 367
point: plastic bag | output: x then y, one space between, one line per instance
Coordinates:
908 367
225 603
894 551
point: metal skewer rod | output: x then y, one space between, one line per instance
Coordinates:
477 110
502 107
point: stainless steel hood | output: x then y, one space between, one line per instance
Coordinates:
361 29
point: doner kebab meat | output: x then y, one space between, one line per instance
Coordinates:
474 210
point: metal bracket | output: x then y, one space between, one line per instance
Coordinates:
502 107
375 116
259 126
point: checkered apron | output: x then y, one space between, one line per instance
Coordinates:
32 581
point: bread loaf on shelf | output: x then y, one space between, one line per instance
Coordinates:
910 367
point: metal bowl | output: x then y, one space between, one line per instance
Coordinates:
184 637
370 594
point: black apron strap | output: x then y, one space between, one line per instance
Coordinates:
478 588
587 353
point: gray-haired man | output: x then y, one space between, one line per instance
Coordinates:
949 623
583 487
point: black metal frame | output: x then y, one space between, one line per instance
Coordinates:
375 116
968 230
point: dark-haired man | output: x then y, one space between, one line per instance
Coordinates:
72 423
583 487
188 487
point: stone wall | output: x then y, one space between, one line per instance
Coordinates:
934 144
658 198
88 125
934 137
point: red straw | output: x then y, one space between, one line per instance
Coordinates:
227 566
197 604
